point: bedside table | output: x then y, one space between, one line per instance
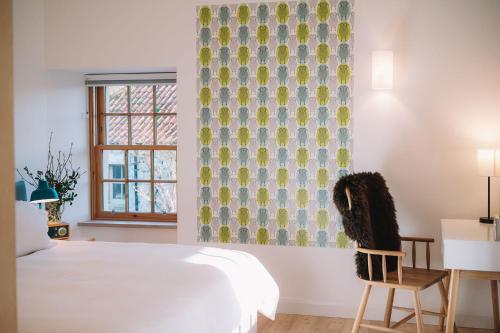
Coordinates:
59 231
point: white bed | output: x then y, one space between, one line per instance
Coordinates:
101 287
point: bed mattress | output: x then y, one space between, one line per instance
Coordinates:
132 287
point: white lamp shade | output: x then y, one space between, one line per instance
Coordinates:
382 70
486 162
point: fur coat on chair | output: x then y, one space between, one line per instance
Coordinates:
371 221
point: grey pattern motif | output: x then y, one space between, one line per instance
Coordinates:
205 116
302 177
282 74
282 156
262 13
262 217
243 116
343 52
282 33
262 54
282 115
205 76
323 31
343 94
224 55
344 10
302 53
243 34
262 136
243 156
282 197
224 215
206 195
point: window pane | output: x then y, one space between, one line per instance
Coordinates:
139 197
165 164
166 130
118 191
116 130
165 198
113 197
139 164
141 99
142 130
166 98
116 99
113 164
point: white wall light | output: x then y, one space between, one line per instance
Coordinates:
382 70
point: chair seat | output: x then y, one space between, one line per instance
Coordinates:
419 278
413 278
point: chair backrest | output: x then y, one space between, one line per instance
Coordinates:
398 255
369 218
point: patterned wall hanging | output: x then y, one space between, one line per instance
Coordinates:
275 102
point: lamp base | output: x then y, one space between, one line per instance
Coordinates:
487 220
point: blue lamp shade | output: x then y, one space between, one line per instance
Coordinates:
44 193
21 191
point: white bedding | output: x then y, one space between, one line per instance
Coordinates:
98 287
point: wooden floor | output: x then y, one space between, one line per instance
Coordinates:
285 323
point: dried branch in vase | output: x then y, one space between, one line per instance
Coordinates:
60 174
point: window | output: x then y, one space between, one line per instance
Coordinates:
133 133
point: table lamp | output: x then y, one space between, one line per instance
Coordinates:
488 165
44 193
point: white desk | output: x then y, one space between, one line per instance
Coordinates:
469 250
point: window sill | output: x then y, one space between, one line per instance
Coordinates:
128 224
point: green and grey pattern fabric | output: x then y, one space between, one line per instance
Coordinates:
243 212
302 32
262 235
343 103
225 115
323 121
274 120
205 132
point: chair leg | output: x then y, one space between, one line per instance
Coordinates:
388 307
418 312
361 309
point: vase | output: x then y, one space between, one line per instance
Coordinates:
54 211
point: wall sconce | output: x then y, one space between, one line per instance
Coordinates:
382 70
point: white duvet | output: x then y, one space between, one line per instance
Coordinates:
98 287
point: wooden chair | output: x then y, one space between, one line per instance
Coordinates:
412 279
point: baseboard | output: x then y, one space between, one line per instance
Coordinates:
373 312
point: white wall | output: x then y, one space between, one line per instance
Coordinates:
67 119
422 135
30 117
45 101
55 101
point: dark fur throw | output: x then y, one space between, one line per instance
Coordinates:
371 221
